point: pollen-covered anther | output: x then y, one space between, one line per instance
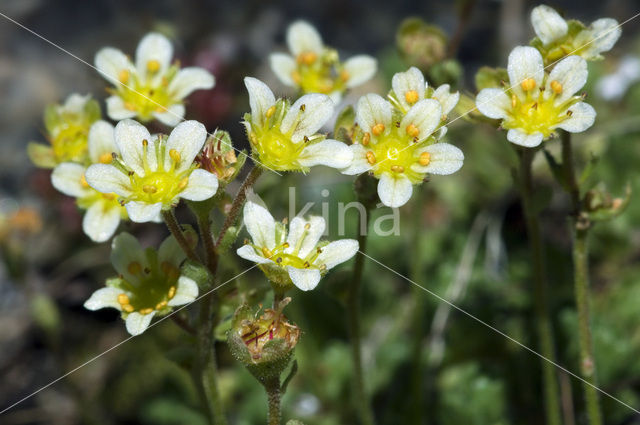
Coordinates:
307 226
145 142
123 299
514 100
303 107
123 76
528 84
397 168
306 265
344 75
412 130
569 113
411 96
134 267
266 252
285 245
153 65
175 155
556 87
377 129
149 188
307 58
172 292
129 106
425 159
146 311
83 182
270 111
161 305
366 138
106 158
295 76
371 158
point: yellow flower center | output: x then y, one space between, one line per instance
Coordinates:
151 288
70 142
323 74
395 152
146 95
537 114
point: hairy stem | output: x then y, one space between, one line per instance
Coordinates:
211 254
174 228
273 398
541 297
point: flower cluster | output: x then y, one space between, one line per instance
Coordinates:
314 68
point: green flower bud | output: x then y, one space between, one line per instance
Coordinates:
421 44
219 157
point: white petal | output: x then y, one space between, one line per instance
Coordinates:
104 298
571 72
360 69
318 109
337 252
125 249
141 212
525 62
202 185
301 240
101 140
67 178
444 159
371 110
116 109
331 153
304 279
403 82
582 117
548 24
521 138
283 66
106 178
187 140
260 224
425 115
261 98
447 100
359 164
394 191
137 323
171 252
186 292
129 140
154 47
111 62
187 80
171 115
75 103
101 220
302 37
493 103
249 253
605 32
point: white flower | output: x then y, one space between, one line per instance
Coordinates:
314 68
152 88
560 38
284 137
149 282
401 150
295 257
410 87
615 85
537 103
152 174
103 211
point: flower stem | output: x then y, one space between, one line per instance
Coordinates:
273 398
174 228
541 301
211 254
353 312
581 285
238 202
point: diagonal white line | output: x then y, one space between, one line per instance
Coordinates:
122 342
509 88
498 331
108 78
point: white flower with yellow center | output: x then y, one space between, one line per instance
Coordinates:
401 149
284 137
314 68
151 174
152 88
296 257
537 103
103 209
149 282
557 38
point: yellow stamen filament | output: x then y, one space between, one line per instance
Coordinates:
270 111
134 267
397 168
371 158
425 159
528 84
556 87
377 129
366 138
123 76
175 155
412 130
153 65
411 96
146 311
106 158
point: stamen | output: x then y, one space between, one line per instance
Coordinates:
303 107
129 106
146 311
128 308
307 58
153 65
175 155
295 76
556 87
412 130
528 84
397 168
307 226
411 96
425 159
534 106
161 305
371 158
109 196
377 129
123 76
106 158
344 75
514 100
83 182
183 183
306 265
569 113
123 299
270 111
366 138
150 189
134 267
266 252
172 292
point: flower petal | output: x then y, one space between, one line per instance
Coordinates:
137 323
360 69
125 249
302 239
104 298
521 138
337 252
493 103
283 66
582 117
261 98
525 62
404 82
260 224
303 37
67 178
153 47
304 279
444 159
425 116
75 103
571 72
306 116
188 80
141 212
170 252
129 140
187 140
447 100
371 110
101 140
101 220
186 292
249 253
202 185
106 178
394 191
605 32
171 115
331 153
548 24
111 62
359 163
116 109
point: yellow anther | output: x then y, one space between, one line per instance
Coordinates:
366 138
183 183
145 142
286 245
412 130
266 252
175 155
569 113
123 76
307 226
123 299
128 308
344 75
153 65
109 196
307 58
149 188
377 129
106 158
130 106
161 305
172 292
397 168
295 76
514 100
425 158
83 182
146 311
556 87
134 267
371 158
270 111
411 97
528 84
306 265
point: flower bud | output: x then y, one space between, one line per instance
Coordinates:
218 157
421 44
